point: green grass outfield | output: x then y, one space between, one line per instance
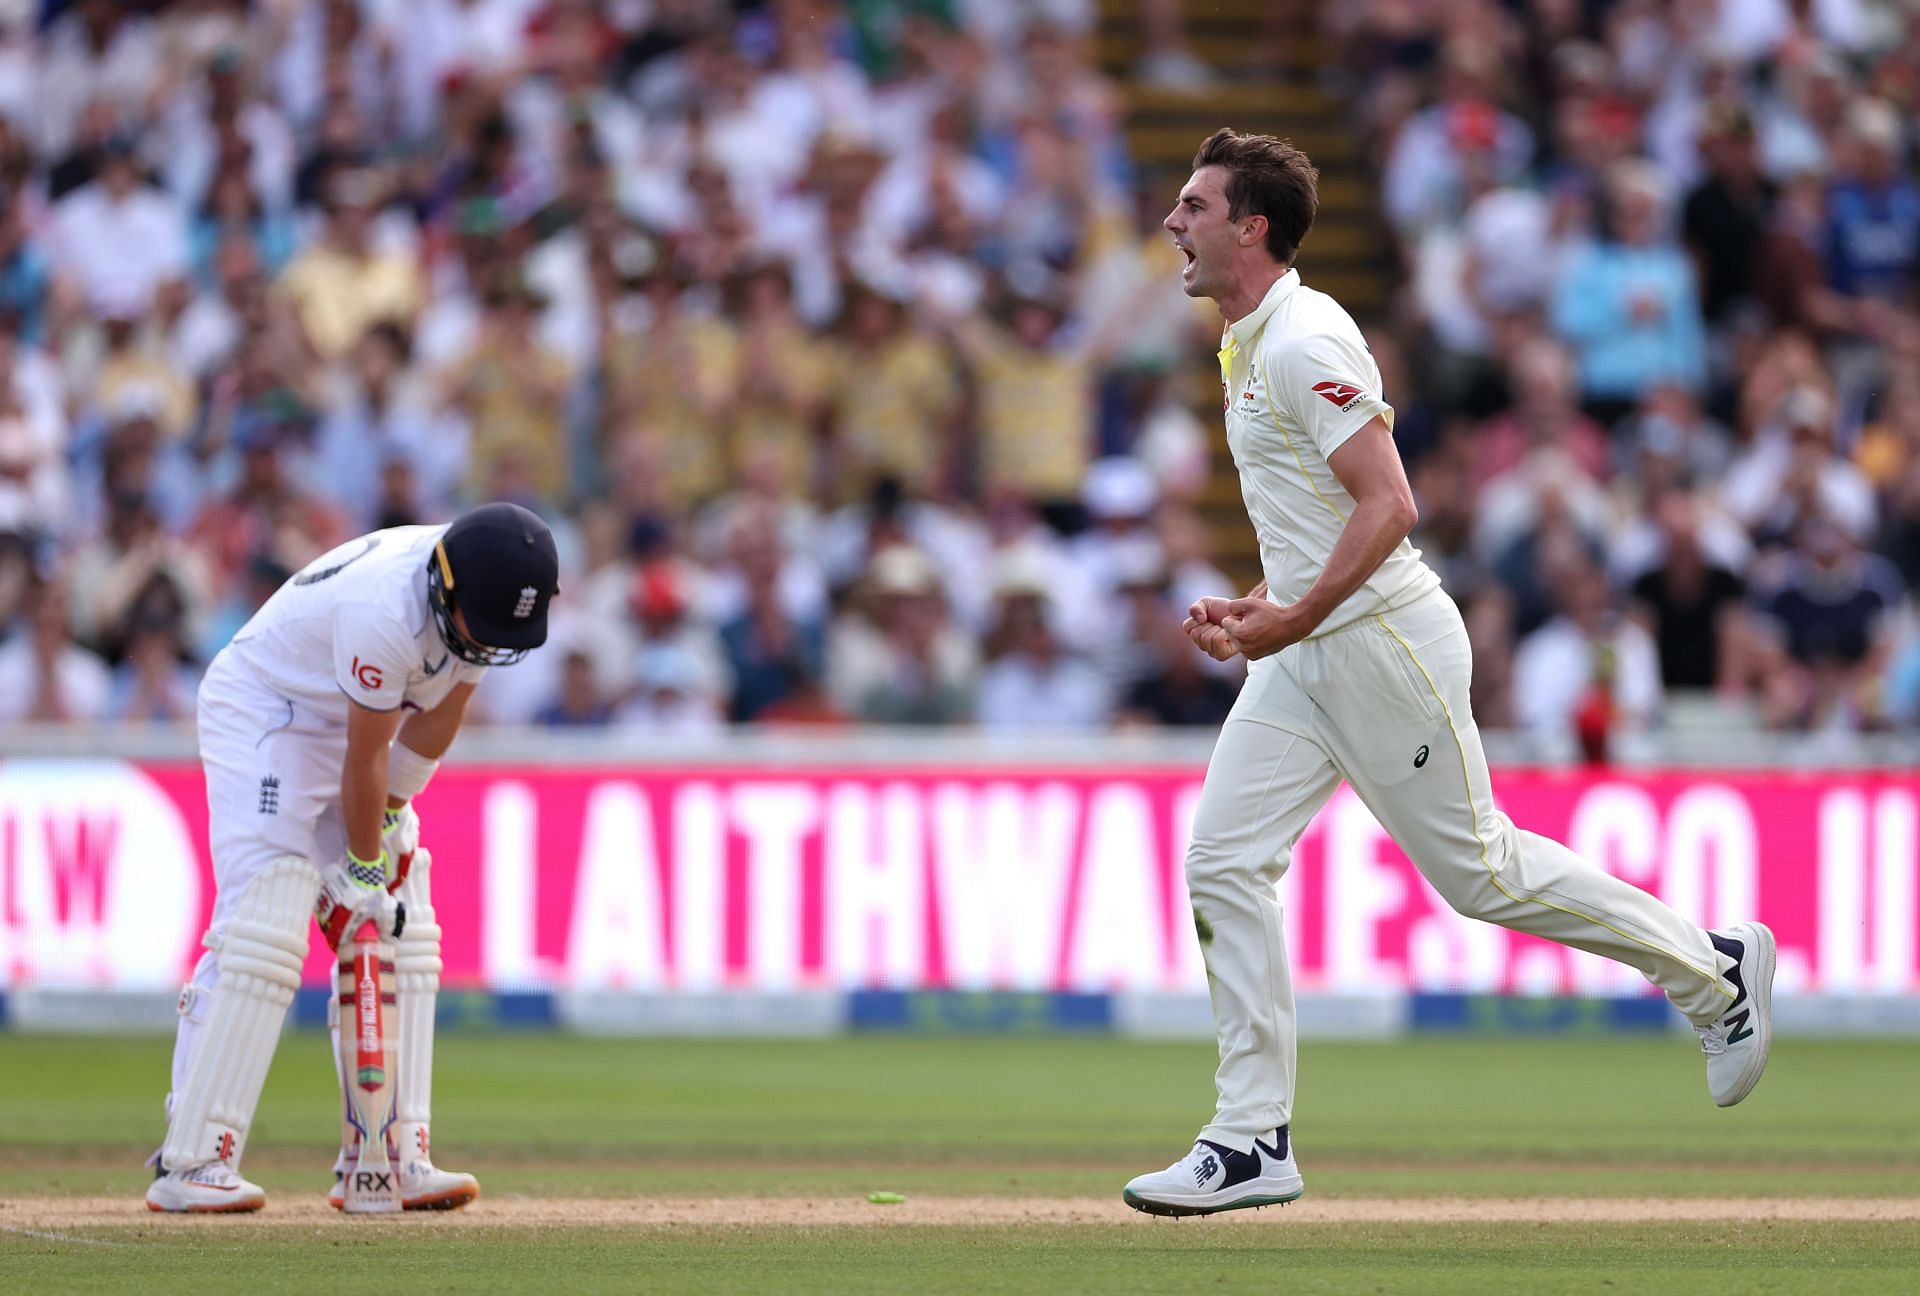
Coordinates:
561 1123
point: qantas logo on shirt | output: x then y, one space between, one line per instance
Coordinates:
1343 395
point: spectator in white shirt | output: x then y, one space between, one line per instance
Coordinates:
1790 471
1119 495
1442 150
95 49
118 242
670 698
33 480
44 675
1032 683
1589 668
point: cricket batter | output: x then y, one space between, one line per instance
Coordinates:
319 724
1359 669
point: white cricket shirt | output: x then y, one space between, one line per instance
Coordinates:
354 625
1298 381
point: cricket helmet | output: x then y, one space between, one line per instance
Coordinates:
498 566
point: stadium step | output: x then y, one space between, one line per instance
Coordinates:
1232 35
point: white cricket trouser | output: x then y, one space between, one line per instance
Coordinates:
273 790
1383 702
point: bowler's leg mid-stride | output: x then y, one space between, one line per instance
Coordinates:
1359 669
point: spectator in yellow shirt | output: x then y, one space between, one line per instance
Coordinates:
342 284
781 376
514 393
137 370
895 395
1034 402
1891 442
670 382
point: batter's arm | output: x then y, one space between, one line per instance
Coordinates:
431 732
428 734
1368 465
363 777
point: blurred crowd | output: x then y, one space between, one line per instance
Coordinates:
830 337
1659 263
839 341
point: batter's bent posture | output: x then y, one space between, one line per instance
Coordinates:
319 724
1359 669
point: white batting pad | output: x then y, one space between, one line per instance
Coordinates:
259 956
416 965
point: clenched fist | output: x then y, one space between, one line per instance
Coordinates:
1203 627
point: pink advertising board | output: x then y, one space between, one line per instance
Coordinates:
931 876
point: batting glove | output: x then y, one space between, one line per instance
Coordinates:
400 837
354 891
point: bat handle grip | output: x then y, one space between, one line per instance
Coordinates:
367 932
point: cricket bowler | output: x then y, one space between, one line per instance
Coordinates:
319 724
1358 669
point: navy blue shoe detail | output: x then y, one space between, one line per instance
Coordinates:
1242 1166
1735 950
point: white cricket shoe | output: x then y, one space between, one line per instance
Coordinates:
1215 1178
423 1186
210 1188
337 1195
1737 1042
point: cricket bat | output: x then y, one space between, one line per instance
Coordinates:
366 1059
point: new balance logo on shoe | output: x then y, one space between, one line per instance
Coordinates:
1737 1028
1736 1043
1214 1177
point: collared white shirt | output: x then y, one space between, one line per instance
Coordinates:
119 252
1298 381
354 625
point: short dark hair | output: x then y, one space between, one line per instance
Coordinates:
1266 177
